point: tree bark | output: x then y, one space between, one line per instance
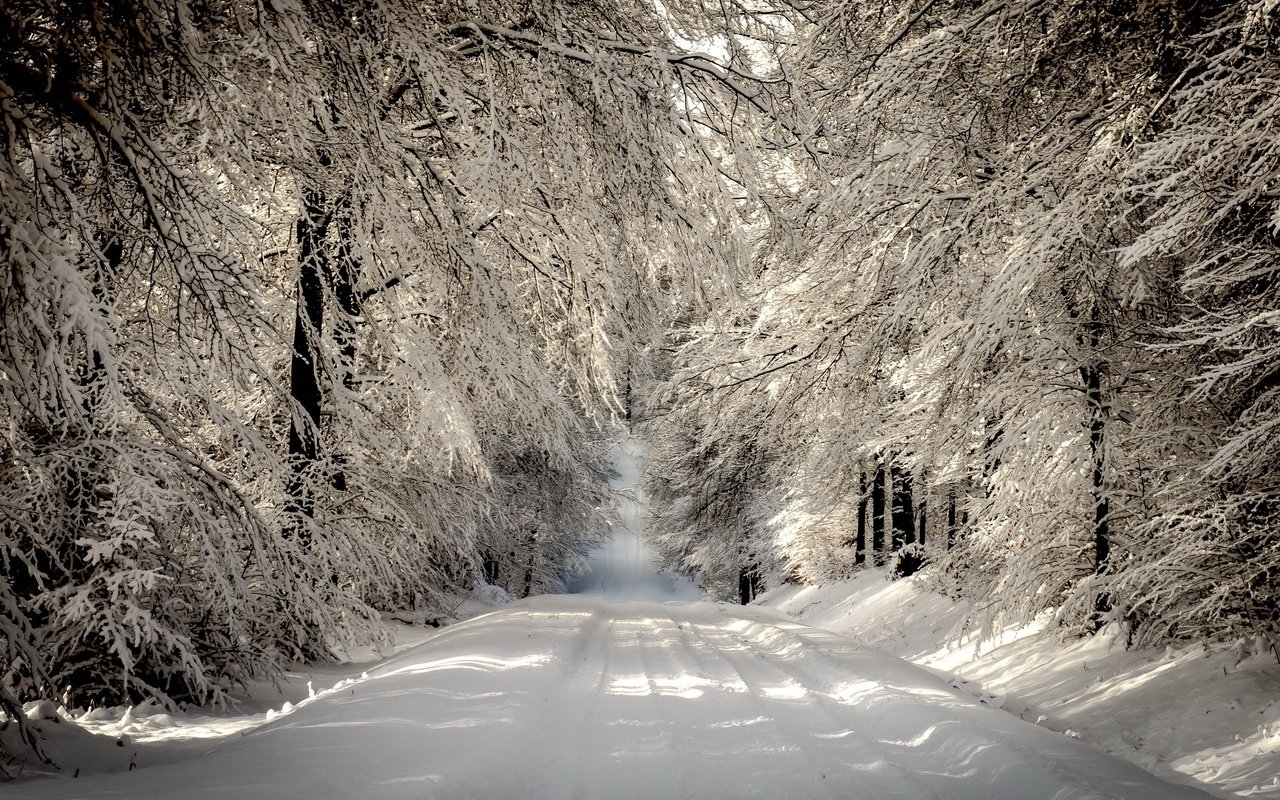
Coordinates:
951 519
1098 458
343 280
922 521
860 542
319 271
528 570
903 515
748 583
1092 376
304 369
877 515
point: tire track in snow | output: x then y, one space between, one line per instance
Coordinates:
561 698
731 680
1072 784
659 664
820 690
784 718
883 776
586 731
624 743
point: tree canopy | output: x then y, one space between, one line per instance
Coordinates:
1020 308
313 310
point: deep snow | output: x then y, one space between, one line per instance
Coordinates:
582 697
1209 716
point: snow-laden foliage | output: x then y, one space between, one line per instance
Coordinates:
1021 305
708 474
1205 189
134 563
312 309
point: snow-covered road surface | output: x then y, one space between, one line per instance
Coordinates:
581 697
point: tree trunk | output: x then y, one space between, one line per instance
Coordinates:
319 270
1098 457
748 583
490 567
951 519
1091 376
343 280
860 542
304 369
627 395
528 570
877 515
990 461
903 515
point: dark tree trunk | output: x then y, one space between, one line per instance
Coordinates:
748 583
990 462
860 542
528 570
490 567
304 370
877 515
319 271
1092 378
344 280
627 395
1098 456
951 519
904 517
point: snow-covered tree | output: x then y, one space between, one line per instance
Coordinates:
314 308
1025 227
1205 191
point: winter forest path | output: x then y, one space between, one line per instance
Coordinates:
583 697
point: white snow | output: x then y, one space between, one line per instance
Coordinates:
579 696
124 737
584 696
1204 716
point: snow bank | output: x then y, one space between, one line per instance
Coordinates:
80 743
578 696
1208 717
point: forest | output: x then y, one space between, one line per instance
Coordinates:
313 310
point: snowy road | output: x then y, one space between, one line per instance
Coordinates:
580 697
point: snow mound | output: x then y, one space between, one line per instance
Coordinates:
1204 716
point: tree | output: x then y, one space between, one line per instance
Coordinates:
1203 189
135 565
311 308
982 274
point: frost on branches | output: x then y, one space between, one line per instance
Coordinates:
315 309
1018 306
